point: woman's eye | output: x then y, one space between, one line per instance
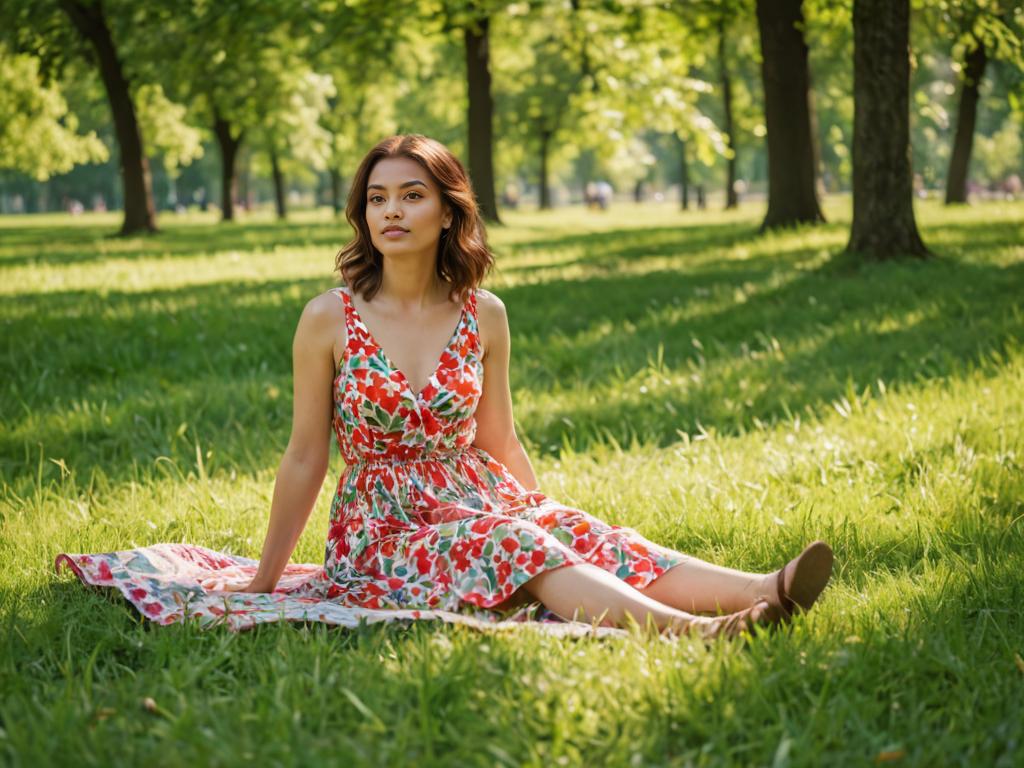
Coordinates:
375 198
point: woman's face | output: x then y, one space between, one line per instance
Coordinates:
401 194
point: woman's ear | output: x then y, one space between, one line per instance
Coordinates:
446 221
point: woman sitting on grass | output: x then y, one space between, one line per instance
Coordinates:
438 507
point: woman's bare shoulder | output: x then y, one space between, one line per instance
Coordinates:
329 302
489 304
324 314
492 318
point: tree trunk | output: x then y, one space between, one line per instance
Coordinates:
228 152
791 189
730 165
684 178
480 119
883 211
275 168
139 212
545 192
960 160
336 191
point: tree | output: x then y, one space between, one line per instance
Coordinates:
792 195
539 71
291 131
480 111
643 77
382 69
959 162
981 32
60 30
38 136
242 68
883 214
718 20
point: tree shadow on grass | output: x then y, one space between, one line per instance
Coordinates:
745 337
83 244
615 248
775 343
106 381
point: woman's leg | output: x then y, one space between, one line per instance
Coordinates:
693 586
587 592
697 586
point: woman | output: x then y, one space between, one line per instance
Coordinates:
438 509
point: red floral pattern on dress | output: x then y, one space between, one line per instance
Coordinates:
423 517
423 524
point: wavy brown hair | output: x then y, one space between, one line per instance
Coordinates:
463 258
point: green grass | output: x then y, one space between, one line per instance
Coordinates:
729 395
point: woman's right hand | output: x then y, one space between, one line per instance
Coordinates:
232 579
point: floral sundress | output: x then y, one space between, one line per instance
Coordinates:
423 524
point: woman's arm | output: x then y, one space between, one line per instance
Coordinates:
495 428
304 464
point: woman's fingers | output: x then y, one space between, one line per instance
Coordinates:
231 579
221 585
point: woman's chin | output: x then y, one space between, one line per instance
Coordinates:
401 248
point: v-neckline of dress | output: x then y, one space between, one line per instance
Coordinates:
417 395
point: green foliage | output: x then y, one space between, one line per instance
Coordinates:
38 136
407 79
165 129
612 85
539 86
998 156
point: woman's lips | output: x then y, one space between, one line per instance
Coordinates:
395 233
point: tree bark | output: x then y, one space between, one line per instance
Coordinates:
883 211
228 152
731 200
275 168
545 192
963 142
139 211
480 119
792 197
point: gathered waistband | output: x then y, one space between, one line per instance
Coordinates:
385 461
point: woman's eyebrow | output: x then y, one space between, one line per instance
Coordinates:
403 186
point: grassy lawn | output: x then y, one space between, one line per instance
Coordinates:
727 394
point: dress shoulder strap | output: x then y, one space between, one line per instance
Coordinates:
342 292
